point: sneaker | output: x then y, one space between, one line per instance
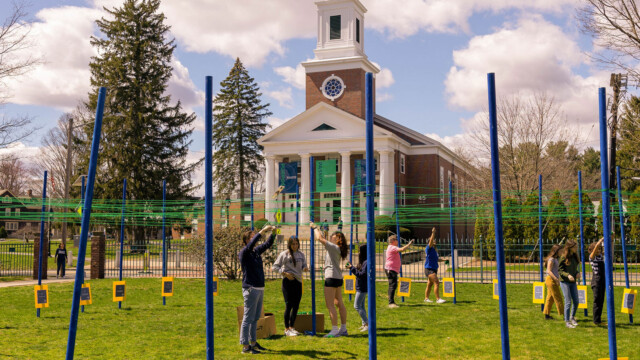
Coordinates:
287 332
548 317
259 347
291 332
365 328
294 332
574 322
343 333
441 301
570 325
428 300
393 306
250 350
332 334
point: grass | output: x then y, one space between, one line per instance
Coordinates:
633 268
144 329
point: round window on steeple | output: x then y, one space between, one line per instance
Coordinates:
332 87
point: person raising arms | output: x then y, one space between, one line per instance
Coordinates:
392 266
431 269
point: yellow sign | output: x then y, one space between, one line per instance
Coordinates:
85 294
449 288
404 286
582 297
538 292
167 286
496 289
629 301
41 293
119 288
215 286
349 284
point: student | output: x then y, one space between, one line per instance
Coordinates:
553 283
431 270
360 272
61 260
253 285
598 285
569 274
337 251
392 266
291 263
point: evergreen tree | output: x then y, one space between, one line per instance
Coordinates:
530 221
512 227
480 231
238 115
588 219
557 224
634 216
145 137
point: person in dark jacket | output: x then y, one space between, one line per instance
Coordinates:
253 285
598 285
360 271
61 260
569 276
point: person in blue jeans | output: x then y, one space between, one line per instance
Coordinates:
253 286
360 271
569 275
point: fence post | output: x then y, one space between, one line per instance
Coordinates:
36 257
97 257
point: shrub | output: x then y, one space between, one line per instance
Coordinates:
3 232
259 224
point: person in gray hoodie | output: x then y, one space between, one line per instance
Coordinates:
290 264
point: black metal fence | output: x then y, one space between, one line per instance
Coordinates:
16 259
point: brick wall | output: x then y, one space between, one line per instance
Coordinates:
97 257
353 98
36 257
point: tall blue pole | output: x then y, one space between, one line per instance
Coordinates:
541 253
584 274
86 217
497 211
351 232
606 224
395 196
164 236
297 208
124 204
82 201
371 241
42 215
252 207
312 250
208 212
451 233
622 236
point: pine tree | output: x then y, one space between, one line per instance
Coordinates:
238 124
530 220
634 215
145 137
480 231
557 223
512 228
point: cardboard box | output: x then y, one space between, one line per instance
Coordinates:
266 326
303 322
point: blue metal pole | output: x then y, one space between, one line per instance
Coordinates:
124 204
164 236
351 233
312 250
606 225
252 207
584 274
208 212
451 232
40 246
497 211
297 208
82 201
541 253
622 236
395 192
371 241
86 217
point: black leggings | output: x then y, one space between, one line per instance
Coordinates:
292 291
392 276
61 267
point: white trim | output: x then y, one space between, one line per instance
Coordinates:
12 226
403 164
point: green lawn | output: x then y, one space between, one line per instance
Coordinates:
144 329
633 268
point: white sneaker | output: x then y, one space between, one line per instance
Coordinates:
570 325
428 300
290 332
574 322
294 331
393 306
364 328
441 301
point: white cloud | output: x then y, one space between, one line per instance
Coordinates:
21 150
284 97
383 96
384 78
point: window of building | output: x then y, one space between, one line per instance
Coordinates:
5 199
324 127
331 195
17 212
402 163
357 30
7 211
291 206
335 27
12 226
292 196
403 196
456 186
328 207
441 187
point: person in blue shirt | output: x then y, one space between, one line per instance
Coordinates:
253 285
360 271
431 270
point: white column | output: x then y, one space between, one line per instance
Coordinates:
386 201
304 188
345 189
269 188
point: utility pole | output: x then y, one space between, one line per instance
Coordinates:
619 84
67 178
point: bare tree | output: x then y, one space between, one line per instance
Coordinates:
15 175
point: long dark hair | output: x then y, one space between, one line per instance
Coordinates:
341 241
362 256
247 236
565 251
555 249
289 243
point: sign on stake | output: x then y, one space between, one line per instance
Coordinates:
404 286
41 293
167 286
85 294
119 290
449 287
538 292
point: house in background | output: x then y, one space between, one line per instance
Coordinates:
20 217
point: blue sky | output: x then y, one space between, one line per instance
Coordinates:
435 55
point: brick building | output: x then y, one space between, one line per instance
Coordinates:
333 127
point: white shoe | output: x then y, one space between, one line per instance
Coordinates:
364 328
393 306
294 331
428 300
441 301
290 332
574 322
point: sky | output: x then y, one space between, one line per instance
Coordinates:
434 56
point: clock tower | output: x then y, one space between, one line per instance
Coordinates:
336 75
